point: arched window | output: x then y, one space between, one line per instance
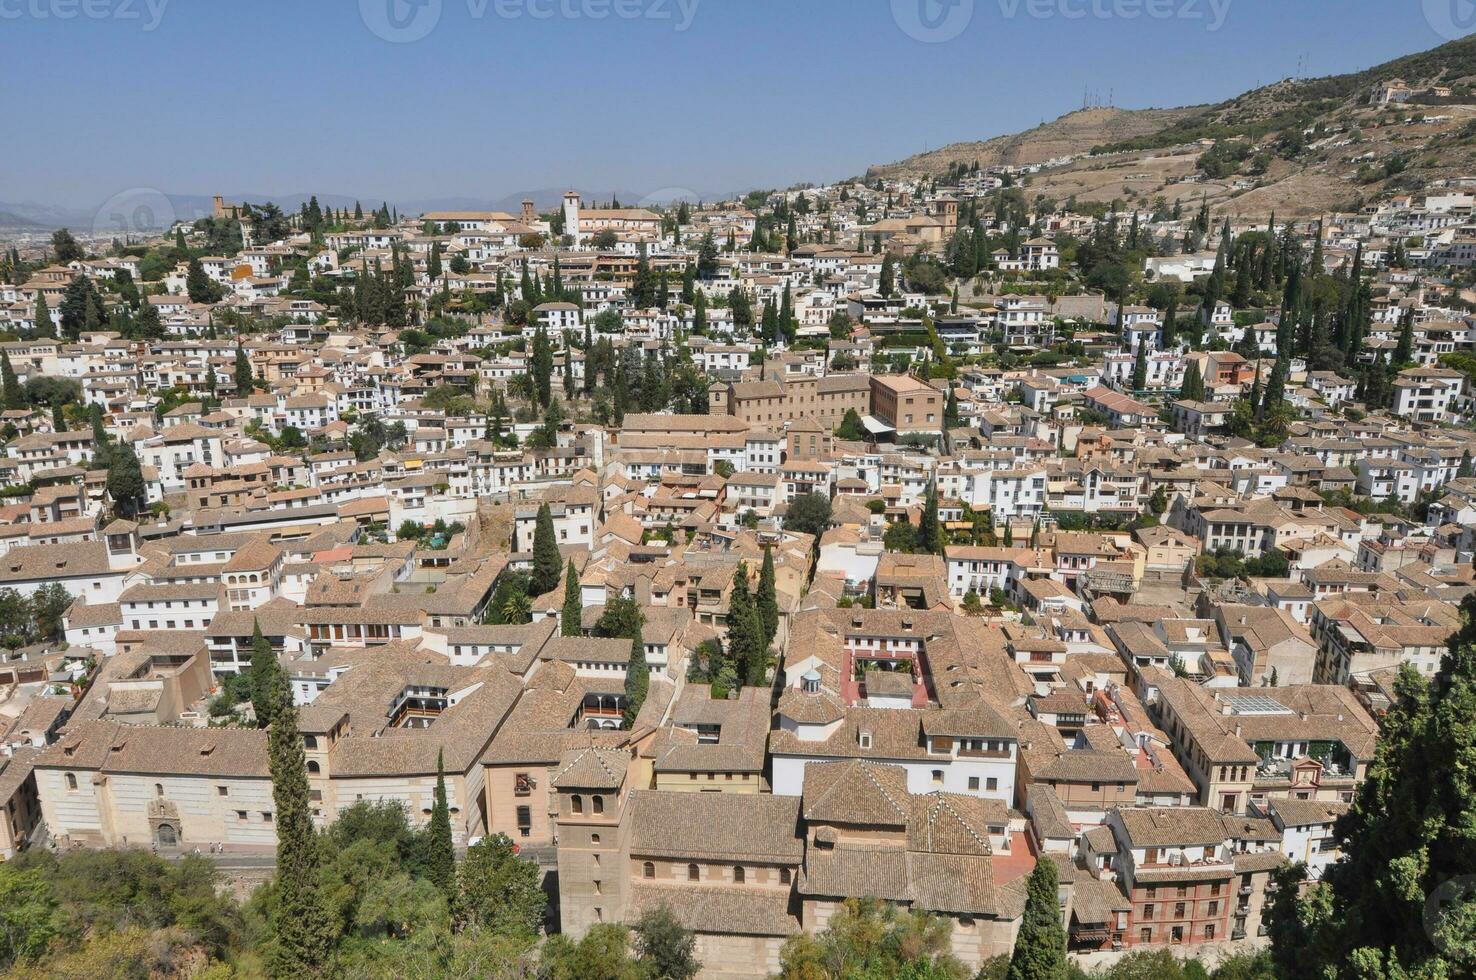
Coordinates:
159 789
599 804
648 869
594 838
693 873
739 876
313 766
71 781
577 804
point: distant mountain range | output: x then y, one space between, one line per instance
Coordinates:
22 216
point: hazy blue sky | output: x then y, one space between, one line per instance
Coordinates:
285 96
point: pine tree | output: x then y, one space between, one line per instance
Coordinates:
301 925
572 614
545 575
440 853
637 679
1040 945
767 598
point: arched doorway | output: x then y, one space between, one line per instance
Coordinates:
166 836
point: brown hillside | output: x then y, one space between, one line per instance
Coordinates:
1075 132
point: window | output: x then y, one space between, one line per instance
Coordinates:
159 789
783 876
241 816
937 777
313 766
525 821
1148 911
1179 910
222 791
739 875
1145 935
599 804
1214 908
576 804
991 784
266 816
973 782
648 870
594 838
71 781
693 873
1209 931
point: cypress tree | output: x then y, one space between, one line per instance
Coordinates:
541 365
571 615
744 643
1040 945
1193 387
440 856
242 373
1465 471
929 530
1140 368
44 325
268 680
767 598
1398 903
1404 349
302 928
637 678
1170 328
10 390
58 420
545 577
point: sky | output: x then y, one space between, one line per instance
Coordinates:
278 97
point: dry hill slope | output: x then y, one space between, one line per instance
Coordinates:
1075 132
